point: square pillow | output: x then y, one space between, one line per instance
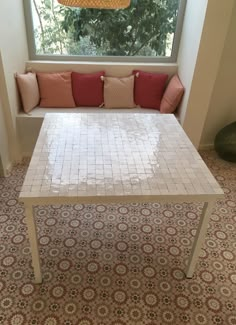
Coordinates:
88 88
149 88
29 90
119 92
172 95
55 89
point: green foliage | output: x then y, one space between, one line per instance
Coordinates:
145 28
141 29
49 35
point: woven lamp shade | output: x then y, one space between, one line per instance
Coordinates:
99 4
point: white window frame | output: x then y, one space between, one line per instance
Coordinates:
56 57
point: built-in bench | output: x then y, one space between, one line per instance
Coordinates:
28 125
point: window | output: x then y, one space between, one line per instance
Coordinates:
147 30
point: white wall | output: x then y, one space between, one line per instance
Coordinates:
196 104
190 39
13 54
222 109
4 152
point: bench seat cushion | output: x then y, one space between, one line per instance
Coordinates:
40 111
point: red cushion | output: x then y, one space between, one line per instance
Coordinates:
88 88
149 88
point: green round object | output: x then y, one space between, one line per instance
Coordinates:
225 142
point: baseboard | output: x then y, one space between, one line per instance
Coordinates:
1 169
8 169
208 146
26 154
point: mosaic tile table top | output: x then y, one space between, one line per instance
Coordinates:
115 155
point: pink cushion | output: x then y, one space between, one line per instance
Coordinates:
88 88
119 92
55 89
172 95
29 90
149 88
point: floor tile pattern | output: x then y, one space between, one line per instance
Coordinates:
118 264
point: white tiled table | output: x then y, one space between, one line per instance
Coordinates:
103 157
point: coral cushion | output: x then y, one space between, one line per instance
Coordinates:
119 92
172 95
29 90
149 88
55 89
87 88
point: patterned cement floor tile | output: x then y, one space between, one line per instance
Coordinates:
118 264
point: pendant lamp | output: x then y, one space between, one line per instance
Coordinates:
98 4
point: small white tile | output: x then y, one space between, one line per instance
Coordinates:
116 155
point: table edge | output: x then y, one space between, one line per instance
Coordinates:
118 199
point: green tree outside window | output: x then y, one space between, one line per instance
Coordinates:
146 28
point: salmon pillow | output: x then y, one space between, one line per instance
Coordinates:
172 95
55 89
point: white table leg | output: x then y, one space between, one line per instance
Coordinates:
32 232
199 238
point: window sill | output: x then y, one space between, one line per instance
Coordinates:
116 69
